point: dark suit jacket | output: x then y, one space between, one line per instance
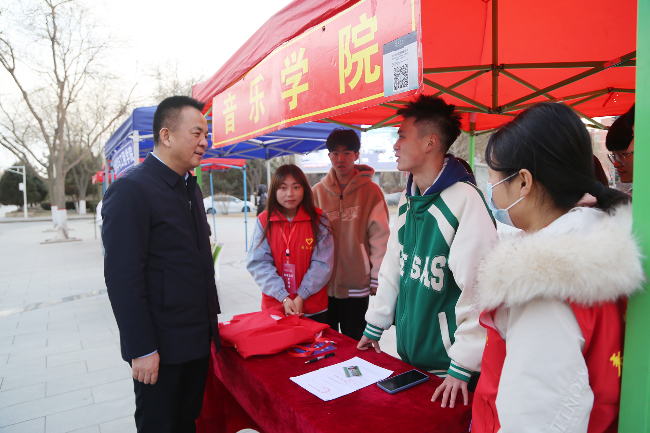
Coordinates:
158 265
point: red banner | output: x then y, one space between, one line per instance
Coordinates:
366 55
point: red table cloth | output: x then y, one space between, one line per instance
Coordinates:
257 393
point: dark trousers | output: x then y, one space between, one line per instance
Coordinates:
320 317
350 313
174 402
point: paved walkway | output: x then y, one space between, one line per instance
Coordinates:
60 363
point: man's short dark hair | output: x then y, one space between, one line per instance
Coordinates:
620 134
434 116
343 137
168 113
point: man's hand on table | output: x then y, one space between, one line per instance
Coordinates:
366 343
145 369
451 385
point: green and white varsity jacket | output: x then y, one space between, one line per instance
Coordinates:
428 276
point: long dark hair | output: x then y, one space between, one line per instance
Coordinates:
551 142
307 203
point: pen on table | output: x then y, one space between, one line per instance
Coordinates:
329 355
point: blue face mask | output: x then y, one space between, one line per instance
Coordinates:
500 215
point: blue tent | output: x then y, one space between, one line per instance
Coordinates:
299 139
140 120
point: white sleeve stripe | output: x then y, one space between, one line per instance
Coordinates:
451 367
359 295
444 331
372 332
445 228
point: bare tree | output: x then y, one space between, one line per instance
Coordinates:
52 54
460 148
255 175
169 83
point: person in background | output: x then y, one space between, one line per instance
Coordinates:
599 171
554 296
358 215
428 276
620 142
601 177
292 251
261 199
159 271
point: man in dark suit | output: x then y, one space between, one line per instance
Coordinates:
159 271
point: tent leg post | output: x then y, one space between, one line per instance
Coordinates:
635 395
472 144
268 173
472 140
245 208
214 224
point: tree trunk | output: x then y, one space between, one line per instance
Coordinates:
57 192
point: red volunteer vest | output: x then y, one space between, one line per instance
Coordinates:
301 246
603 329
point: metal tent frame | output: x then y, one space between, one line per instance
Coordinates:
510 108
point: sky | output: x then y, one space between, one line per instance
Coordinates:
197 35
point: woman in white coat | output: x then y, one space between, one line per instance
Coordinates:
553 297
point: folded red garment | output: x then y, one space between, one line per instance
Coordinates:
267 332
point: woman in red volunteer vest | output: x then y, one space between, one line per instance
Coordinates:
553 295
292 251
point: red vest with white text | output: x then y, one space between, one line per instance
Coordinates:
603 329
301 247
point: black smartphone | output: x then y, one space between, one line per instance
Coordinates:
402 381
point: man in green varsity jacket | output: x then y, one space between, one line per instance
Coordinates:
428 275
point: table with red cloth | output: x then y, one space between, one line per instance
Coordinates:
257 393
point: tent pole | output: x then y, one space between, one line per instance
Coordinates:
495 55
136 147
105 179
563 65
549 96
455 94
635 392
214 224
589 98
390 106
593 94
463 81
587 118
381 123
472 139
568 81
245 207
336 122
486 68
525 83
268 172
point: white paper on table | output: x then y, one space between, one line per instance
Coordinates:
331 382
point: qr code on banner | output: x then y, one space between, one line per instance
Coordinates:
401 77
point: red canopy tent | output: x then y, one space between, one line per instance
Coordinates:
580 53
219 164
492 58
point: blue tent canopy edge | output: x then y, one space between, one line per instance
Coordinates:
299 139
